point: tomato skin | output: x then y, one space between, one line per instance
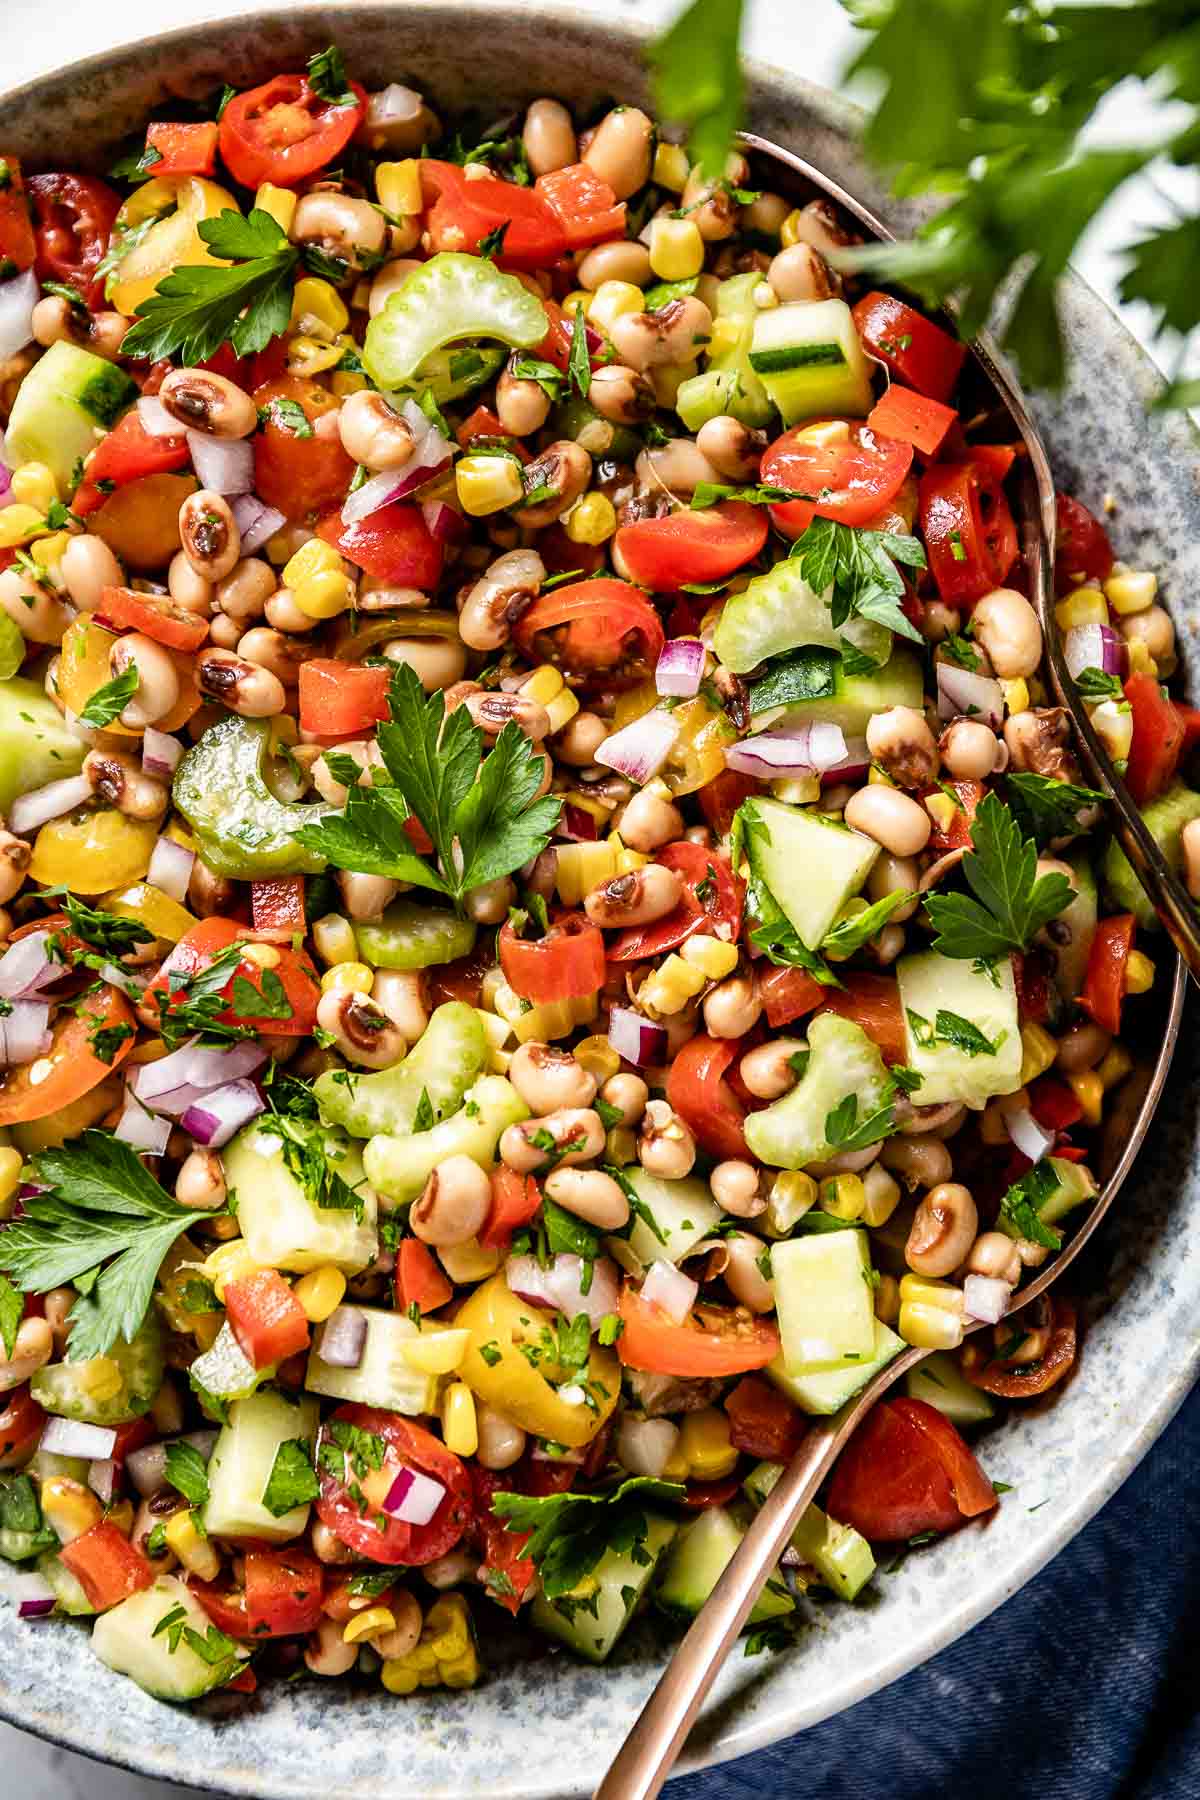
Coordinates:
1082 551
397 1542
266 1318
75 1069
970 537
698 1496
788 994
461 979
515 1199
653 1341
872 1001
1024 1381
957 835
278 904
298 476
762 1421
697 1090
125 455
931 359
21 1424
596 617
1108 958
342 699
73 217
722 905
419 1280
585 207
283 131
566 964
855 479
106 1565
284 1590
17 242
154 615
183 149
196 950
683 547
225 1606
1053 1104
504 1550
905 1471
394 545
720 798
461 213
1158 738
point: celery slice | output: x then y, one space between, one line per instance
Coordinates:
450 298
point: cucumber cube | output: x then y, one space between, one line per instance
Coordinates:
930 984
841 1556
384 1375
822 1395
241 1463
811 864
282 1227
698 1559
677 1215
940 1382
810 359
825 1301
843 1062
590 1622
128 1640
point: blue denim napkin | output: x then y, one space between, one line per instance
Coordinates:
1084 1686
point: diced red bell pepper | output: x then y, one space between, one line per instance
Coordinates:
17 242
921 354
515 1200
1108 965
913 418
284 1592
126 454
342 699
278 904
483 423
585 206
1053 1104
957 834
420 1281
182 149
1158 739
106 1565
265 1317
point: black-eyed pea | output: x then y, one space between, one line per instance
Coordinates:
157 689
209 534
88 566
365 896
398 120
373 433
902 744
576 1134
622 396
665 1145
403 996
549 1080
649 821
202 401
745 1259
522 406
437 662
243 594
893 819
492 711
969 750
187 588
121 781
734 1006
799 272
895 875
995 1255
918 1161
580 738
200 1183
327 1653
636 898
497 600
501 1443
208 892
620 150
1006 626
361 1030
565 468
247 688
453 1206
628 1093
591 1195
342 226
549 137
624 259
32 1348
943 1229
490 903
405 1633
737 1188
15 856
42 622
732 448
1152 627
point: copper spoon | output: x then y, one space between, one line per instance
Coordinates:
648 1754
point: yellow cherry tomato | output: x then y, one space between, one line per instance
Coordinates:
140 522
179 203
156 910
83 667
89 851
506 1379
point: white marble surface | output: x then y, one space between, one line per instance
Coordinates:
817 42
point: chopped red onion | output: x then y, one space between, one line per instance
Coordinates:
343 1337
256 522
24 1032
577 824
29 811
144 1131
431 455
175 1082
1095 647
213 1120
645 1446
680 667
561 1285
26 969
161 753
102 1478
1029 1137
223 465
18 298
443 524
170 868
804 750
71 1437
670 1289
853 766
986 1298
640 750
962 694
413 1497
36 1609
640 1041
156 421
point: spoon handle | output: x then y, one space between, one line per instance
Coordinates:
645 1759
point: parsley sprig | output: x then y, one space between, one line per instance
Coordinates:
571 1532
197 308
859 567
698 78
1009 901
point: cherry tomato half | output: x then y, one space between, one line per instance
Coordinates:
684 547
127 454
154 615
918 352
75 1068
298 475
712 896
462 212
394 545
73 217
854 476
599 627
200 946
372 1533
283 132
713 1341
907 1470
1082 551
970 537
697 1089
566 964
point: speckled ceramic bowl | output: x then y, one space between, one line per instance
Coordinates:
547 1727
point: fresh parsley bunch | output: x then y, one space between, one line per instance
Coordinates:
1009 901
196 309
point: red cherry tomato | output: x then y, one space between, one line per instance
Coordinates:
155 616
585 207
566 964
917 352
906 1470
697 1089
74 1068
1108 960
183 149
970 537
461 979
198 947
854 478
462 213
265 1317
873 1002
788 994
1082 551
284 132
125 455
1158 739
712 896
504 1550
21 1424
277 904
715 1340
17 243
720 798
342 699
394 545
419 1280
684 547
73 217
371 1533
298 475
600 627
283 1595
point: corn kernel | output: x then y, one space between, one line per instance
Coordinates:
194 1552
507 1003
562 709
924 1290
324 595
877 777
33 484
545 682
764 297
320 1292
280 202
881 1196
551 1020
463 1671
353 976
1115 1066
793 1193
941 809
704 1440
312 558
676 249
1086 606
318 308
468 1262
676 1467
592 521
47 551
627 860
366 1624
69 1508
671 167
843 1196
1038 1050
1140 660
929 1327
1131 590
597 1056
797 790
11 1163
438 1350
488 484
459 1426
620 1147
1016 695
398 187
398 1678
345 382
712 956
1139 973
335 940
582 867
231 1262
1088 1089
789 231
20 524
577 299
671 986
614 300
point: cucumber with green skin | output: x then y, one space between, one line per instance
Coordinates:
727 383
414 937
826 1393
69 1596
810 360
64 406
36 747
399 1166
590 1623
791 1132
939 1381
848 701
63 1388
128 1639
447 1057
697 1560
1164 819
840 1555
